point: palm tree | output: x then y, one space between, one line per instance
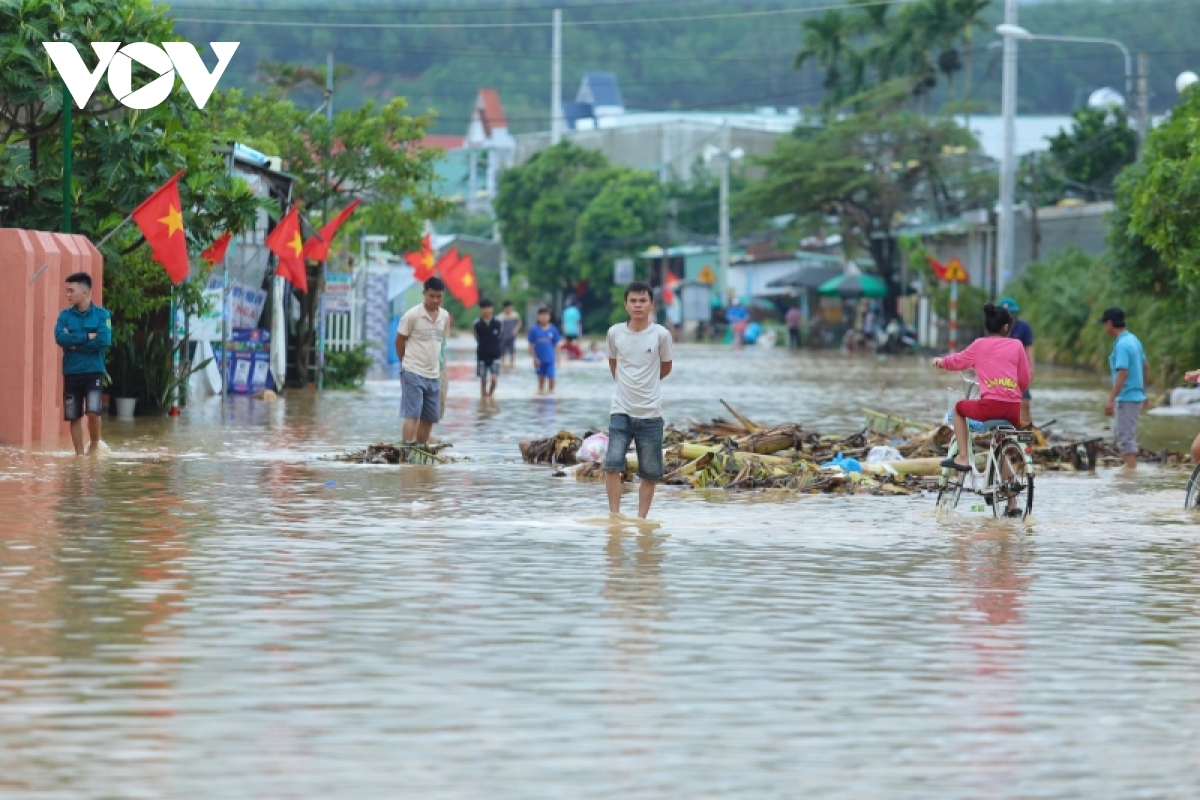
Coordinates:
969 13
924 28
828 41
873 23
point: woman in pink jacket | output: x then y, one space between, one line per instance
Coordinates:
1003 372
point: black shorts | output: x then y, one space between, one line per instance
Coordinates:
82 392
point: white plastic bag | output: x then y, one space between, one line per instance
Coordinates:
594 448
883 453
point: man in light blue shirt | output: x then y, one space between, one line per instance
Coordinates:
1130 374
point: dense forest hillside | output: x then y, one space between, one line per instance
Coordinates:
667 54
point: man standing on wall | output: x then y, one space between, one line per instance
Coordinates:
418 344
83 331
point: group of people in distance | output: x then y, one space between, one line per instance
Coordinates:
639 353
1003 364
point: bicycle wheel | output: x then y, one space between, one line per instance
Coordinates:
951 485
1192 499
1014 485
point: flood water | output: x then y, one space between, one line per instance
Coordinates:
213 612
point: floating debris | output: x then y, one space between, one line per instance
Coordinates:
744 454
399 453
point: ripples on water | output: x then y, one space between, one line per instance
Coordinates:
202 616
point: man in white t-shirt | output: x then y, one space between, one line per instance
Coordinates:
419 345
639 355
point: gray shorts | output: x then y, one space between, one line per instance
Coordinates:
1125 424
420 398
647 438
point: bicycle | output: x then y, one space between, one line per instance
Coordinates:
1192 498
1006 480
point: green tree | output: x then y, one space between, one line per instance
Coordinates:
828 41
1164 197
369 152
867 170
1085 161
567 214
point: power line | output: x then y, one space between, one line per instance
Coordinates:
544 24
378 8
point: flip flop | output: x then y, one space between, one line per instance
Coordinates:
950 463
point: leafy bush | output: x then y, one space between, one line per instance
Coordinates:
347 369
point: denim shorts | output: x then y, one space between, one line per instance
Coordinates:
420 398
647 438
82 393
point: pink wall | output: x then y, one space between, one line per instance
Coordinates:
30 361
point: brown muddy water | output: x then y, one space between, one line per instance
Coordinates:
212 612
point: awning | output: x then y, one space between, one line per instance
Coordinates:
810 277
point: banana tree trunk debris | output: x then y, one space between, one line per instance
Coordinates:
743 454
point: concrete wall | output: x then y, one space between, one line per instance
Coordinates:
1084 227
34 266
677 144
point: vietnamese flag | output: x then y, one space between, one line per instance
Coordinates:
459 274
317 249
669 289
939 269
215 252
422 261
285 241
160 217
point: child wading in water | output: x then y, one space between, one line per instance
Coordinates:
1003 370
544 340
639 357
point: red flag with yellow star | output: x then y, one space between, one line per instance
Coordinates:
215 252
317 249
422 260
285 241
160 216
459 274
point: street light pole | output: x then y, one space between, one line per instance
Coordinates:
1006 239
556 116
1014 32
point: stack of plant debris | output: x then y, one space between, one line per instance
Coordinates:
399 453
744 454
558 449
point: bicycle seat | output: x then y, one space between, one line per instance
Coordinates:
995 424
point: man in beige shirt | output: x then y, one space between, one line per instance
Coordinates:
419 344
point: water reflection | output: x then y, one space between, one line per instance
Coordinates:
213 612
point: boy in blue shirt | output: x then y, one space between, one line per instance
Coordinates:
84 332
543 346
1130 374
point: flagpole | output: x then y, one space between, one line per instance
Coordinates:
113 232
129 216
226 317
174 359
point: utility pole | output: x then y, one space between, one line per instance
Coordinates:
1006 240
1143 95
324 220
723 223
556 117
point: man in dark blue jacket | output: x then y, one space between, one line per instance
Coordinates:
83 331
